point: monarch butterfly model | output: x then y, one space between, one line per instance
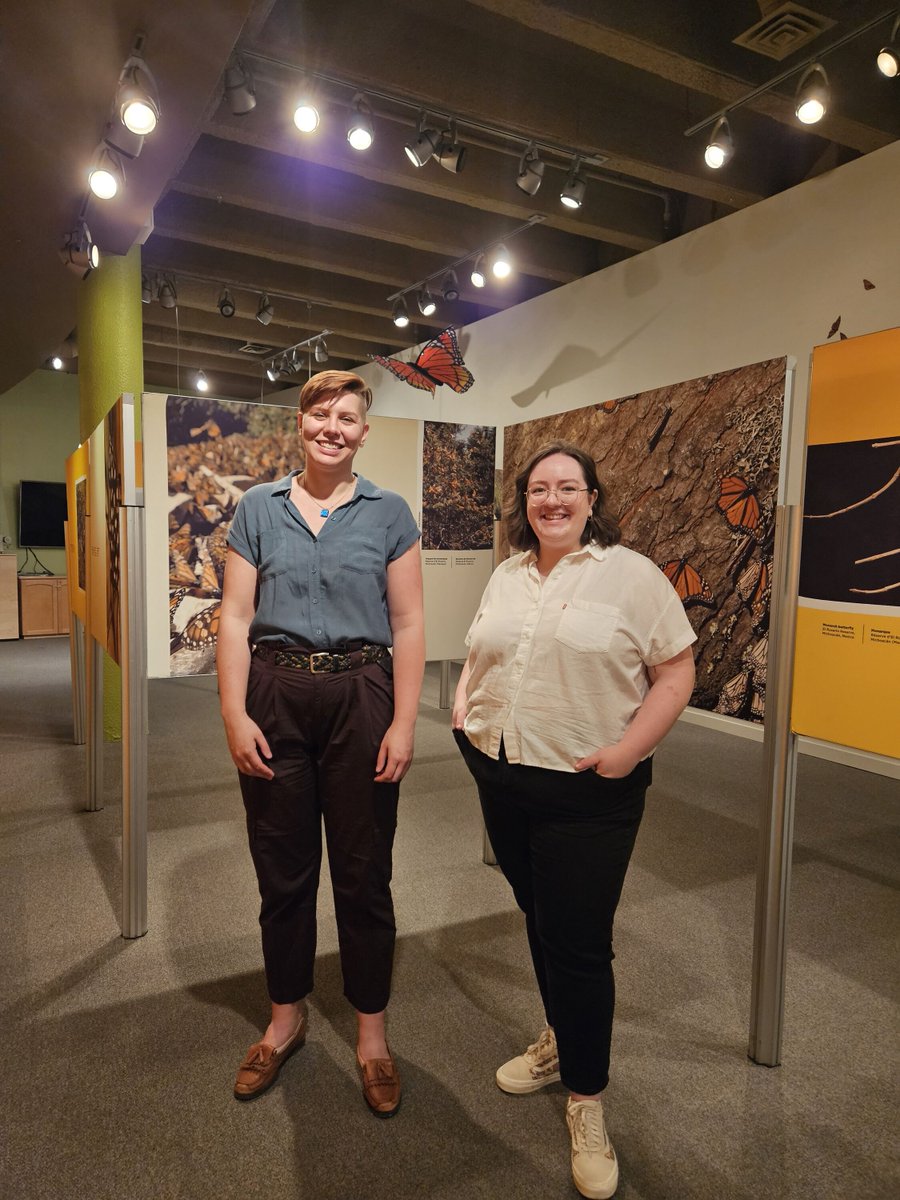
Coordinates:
690 585
738 503
439 362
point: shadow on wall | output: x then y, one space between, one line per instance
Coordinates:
572 363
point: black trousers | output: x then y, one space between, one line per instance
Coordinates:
564 842
324 731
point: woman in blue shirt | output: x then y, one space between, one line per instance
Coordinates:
323 574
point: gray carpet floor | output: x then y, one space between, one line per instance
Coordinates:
120 1055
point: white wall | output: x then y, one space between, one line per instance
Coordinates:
764 282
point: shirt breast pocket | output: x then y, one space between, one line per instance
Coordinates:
587 625
366 557
272 553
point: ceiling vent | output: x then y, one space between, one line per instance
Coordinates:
258 349
785 27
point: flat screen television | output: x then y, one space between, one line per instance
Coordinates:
42 512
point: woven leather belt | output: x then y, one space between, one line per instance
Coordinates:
321 662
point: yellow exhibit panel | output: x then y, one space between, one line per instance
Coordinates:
847 664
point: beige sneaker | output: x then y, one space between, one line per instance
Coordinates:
534 1069
595 1171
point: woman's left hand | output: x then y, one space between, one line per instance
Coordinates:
395 754
612 762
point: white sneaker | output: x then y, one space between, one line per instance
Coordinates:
594 1168
534 1069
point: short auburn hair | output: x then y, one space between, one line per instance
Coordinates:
328 384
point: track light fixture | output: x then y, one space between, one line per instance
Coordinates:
225 303
137 98
531 170
478 277
266 311
423 146
79 251
427 303
272 373
720 147
813 95
572 195
321 351
450 287
501 263
56 363
146 290
202 382
449 153
106 176
168 297
400 316
289 361
306 115
361 130
240 91
888 59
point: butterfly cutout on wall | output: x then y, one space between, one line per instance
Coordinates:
440 362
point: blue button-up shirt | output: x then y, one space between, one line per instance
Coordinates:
324 590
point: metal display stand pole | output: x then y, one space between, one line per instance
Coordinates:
94 714
77 637
776 827
134 724
444 700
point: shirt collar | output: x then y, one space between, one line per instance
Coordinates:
592 549
364 487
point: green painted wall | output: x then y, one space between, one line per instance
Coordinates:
110 362
39 423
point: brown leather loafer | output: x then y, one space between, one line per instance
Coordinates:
260 1068
381 1084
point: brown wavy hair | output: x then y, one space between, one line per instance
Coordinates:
601 526
327 384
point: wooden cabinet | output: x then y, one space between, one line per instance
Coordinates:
9 597
43 605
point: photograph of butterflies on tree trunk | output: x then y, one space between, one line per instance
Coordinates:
692 474
216 449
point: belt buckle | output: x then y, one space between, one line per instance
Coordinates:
312 662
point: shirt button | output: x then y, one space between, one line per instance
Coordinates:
318 633
314 570
315 602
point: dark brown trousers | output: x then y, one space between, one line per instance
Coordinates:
324 731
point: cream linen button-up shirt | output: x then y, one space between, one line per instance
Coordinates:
558 667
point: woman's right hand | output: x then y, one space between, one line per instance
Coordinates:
248 746
458 719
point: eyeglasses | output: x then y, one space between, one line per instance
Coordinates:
567 494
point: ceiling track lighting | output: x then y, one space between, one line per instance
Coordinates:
478 277
813 95
501 263
427 303
202 383
422 148
137 97
448 153
146 290
450 287
400 315
288 362
266 311
79 251
531 170
306 114
106 175
888 60
720 147
240 91
225 303
361 130
572 195
321 351
56 363
168 297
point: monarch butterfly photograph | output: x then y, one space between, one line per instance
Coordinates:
687 581
738 503
440 362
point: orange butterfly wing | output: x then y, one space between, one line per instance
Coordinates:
737 501
690 585
407 372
